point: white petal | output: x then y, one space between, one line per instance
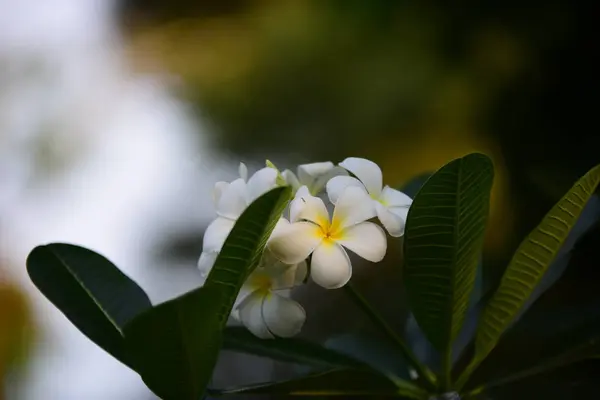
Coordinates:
367 171
291 179
393 221
295 243
297 204
243 171
366 240
284 317
301 273
216 233
281 224
308 172
261 182
394 198
218 191
310 208
320 182
330 266
337 185
353 207
288 276
233 200
251 315
206 262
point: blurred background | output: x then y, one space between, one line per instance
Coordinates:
117 117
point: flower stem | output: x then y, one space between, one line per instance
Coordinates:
378 320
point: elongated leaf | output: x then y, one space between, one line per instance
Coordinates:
90 290
288 350
528 265
331 383
176 344
563 318
380 356
444 234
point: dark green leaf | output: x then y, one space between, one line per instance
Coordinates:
562 319
379 355
444 234
332 383
528 265
176 344
288 350
92 293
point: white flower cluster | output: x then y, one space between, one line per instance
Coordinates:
264 305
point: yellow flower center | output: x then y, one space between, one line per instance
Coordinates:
261 282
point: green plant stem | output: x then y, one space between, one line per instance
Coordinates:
466 374
376 318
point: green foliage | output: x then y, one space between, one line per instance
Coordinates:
332 383
444 236
174 346
288 350
90 290
528 265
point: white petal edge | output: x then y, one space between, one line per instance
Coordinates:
393 222
232 201
280 227
243 171
301 273
310 208
296 204
206 262
330 266
367 172
218 191
216 233
284 317
291 179
308 173
366 240
288 276
261 182
319 183
336 186
251 315
295 243
353 207
394 198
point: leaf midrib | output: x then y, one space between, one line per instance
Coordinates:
87 291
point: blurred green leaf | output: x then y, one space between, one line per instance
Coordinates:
332 383
527 267
288 350
175 345
444 234
90 290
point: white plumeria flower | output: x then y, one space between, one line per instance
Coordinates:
314 176
264 307
311 231
390 204
231 199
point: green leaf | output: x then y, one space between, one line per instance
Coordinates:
444 234
288 350
90 291
527 267
176 344
332 383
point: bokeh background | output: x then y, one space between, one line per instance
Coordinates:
117 117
